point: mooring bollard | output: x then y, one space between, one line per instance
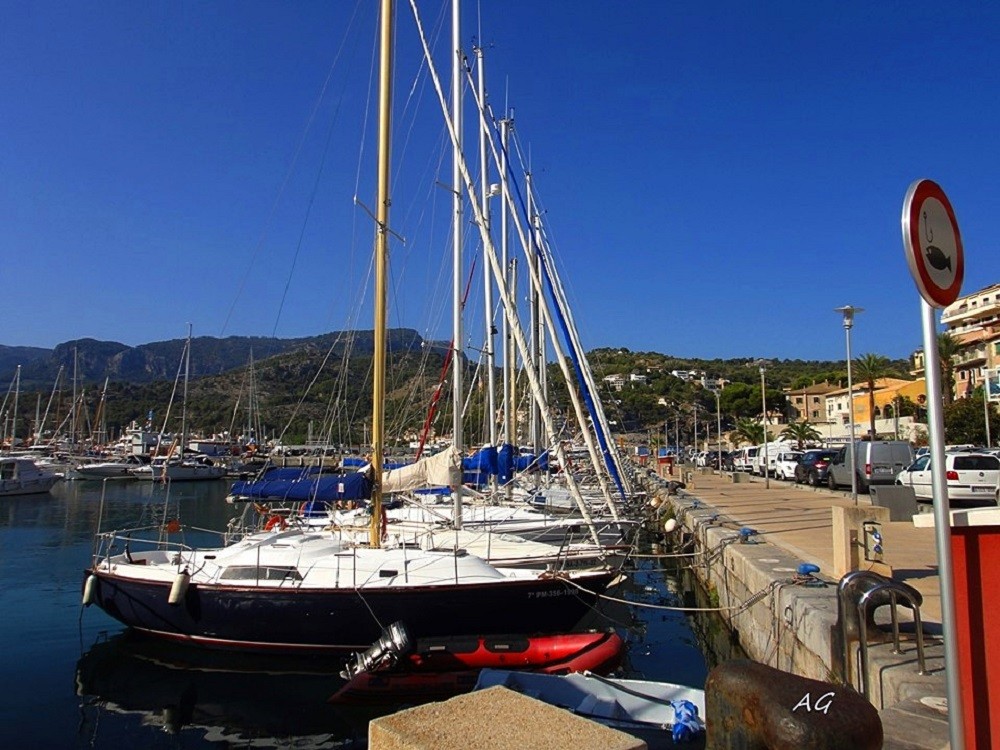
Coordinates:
756 707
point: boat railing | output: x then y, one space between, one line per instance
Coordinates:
106 542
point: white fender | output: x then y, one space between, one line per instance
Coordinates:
179 587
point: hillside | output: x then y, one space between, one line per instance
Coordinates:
310 387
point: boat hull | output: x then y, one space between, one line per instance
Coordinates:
268 618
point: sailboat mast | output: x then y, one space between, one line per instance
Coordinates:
491 385
184 403
509 404
457 228
381 262
40 429
72 438
17 393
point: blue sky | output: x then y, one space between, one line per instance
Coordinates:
716 177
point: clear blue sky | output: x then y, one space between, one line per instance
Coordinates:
716 176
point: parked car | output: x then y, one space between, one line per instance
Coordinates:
876 462
971 478
773 449
743 458
785 463
813 467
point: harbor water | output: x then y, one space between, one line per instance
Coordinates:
74 677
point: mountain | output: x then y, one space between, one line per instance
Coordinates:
94 360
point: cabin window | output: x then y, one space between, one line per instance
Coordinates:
261 573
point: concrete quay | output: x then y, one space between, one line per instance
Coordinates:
790 622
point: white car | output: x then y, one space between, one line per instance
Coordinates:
972 477
785 463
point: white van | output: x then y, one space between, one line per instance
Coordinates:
773 449
743 458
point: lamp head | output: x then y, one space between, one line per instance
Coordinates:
849 311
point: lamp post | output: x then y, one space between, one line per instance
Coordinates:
763 422
718 424
849 311
695 407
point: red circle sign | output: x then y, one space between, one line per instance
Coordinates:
932 243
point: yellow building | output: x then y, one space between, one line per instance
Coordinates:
888 392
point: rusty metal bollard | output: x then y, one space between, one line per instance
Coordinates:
756 707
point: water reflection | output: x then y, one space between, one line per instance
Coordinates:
218 697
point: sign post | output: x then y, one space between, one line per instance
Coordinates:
933 248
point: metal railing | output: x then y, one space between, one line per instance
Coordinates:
859 593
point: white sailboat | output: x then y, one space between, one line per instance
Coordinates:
303 588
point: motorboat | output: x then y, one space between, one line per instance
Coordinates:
174 469
113 469
22 476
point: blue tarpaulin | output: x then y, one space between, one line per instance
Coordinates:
310 486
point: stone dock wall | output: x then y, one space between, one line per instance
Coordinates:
788 621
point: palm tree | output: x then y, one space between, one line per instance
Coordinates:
870 368
948 347
801 432
750 431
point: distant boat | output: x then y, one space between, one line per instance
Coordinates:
172 469
21 476
121 469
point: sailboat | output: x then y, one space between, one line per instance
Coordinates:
305 589
180 467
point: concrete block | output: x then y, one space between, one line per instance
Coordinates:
848 542
496 718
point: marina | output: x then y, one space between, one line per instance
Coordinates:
102 687
472 530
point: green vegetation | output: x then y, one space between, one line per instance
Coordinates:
801 432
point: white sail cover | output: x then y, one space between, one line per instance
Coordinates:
442 469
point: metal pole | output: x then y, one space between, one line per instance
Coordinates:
849 311
986 407
458 228
942 525
718 422
695 427
763 421
850 405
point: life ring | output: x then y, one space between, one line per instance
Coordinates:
276 520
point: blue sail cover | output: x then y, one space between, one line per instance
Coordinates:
505 464
477 468
308 484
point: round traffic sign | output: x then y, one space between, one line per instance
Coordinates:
932 243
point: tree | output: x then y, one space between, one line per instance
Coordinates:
965 422
750 431
870 368
801 432
948 347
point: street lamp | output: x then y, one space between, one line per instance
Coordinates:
763 422
849 311
718 424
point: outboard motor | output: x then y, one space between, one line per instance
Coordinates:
394 644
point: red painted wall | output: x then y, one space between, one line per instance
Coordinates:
976 562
